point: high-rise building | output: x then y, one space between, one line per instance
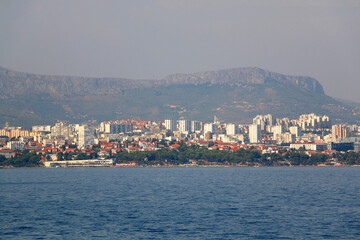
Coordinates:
209 127
44 128
184 126
216 120
278 129
313 121
195 126
60 129
295 130
254 133
231 129
115 127
339 131
263 120
171 124
85 136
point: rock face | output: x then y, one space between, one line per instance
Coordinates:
241 76
235 95
20 83
23 83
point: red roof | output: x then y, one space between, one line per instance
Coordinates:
5 150
175 145
134 148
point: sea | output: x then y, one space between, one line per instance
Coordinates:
180 203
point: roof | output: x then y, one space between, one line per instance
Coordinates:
5 150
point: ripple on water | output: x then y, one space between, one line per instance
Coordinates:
180 203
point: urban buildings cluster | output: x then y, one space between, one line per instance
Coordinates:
309 132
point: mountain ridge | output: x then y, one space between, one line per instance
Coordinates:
236 94
249 75
234 76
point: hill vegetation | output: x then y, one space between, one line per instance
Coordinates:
234 95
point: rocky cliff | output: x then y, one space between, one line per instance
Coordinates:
234 95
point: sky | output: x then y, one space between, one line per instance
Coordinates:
149 39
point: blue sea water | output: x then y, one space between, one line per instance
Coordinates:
180 203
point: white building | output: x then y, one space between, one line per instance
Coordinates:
254 133
309 146
295 130
263 120
313 121
195 126
284 138
115 127
231 129
86 136
278 129
43 128
16 145
60 129
171 124
209 127
184 126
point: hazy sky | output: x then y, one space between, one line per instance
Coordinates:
150 39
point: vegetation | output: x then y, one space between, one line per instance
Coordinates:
23 159
185 154
237 98
350 158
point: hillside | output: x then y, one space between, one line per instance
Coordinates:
239 77
234 95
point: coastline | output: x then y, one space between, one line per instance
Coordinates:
181 166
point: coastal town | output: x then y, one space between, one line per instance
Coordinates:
267 141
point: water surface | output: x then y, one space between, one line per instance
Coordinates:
180 203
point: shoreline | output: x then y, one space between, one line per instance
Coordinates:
155 166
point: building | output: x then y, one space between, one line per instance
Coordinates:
309 146
60 129
231 129
171 124
16 145
278 129
7 153
184 126
43 128
357 146
17 132
339 131
195 126
313 121
209 127
341 147
115 127
254 133
295 130
263 120
81 163
284 138
285 122
85 136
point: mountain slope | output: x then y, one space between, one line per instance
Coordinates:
233 95
242 76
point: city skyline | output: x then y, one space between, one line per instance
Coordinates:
113 143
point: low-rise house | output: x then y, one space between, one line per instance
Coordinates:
7 153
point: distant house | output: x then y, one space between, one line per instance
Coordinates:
309 146
7 153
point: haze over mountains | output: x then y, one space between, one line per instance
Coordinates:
234 95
